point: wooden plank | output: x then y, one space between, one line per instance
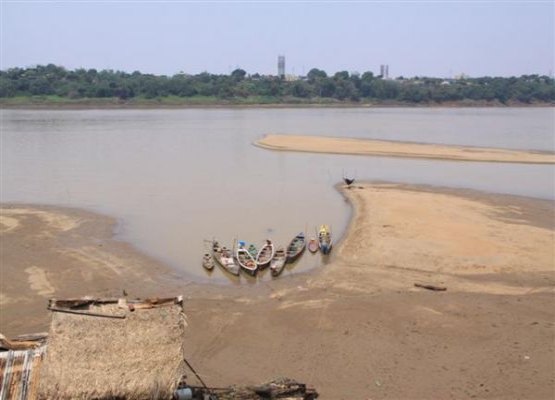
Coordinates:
31 336
86 313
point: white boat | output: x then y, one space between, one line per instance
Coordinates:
245 259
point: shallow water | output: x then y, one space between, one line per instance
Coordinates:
176 177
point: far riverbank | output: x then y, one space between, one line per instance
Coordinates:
172 102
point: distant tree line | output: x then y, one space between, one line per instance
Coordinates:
52 80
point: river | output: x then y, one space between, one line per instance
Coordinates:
174 178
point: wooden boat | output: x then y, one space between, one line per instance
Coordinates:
224 257
278 262
265 254
313 245
324 239
296 247
245 260
208 262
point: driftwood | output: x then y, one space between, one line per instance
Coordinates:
7 344
80 303
431 287
87 301
281 388
31 336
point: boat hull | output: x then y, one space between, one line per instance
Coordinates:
277 268
246 260
265 255
233 269
224 259
296 247
325 248
324 239
313 246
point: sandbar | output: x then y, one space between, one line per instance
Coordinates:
356 328
370 147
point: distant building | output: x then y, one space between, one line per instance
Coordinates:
281 66
384 71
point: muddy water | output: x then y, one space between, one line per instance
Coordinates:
174 178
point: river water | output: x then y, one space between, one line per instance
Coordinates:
174 178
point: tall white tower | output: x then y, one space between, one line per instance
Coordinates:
281 66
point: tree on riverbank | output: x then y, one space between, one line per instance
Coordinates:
238 87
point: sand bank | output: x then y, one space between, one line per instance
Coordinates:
357 328
455 237
319 144
53 252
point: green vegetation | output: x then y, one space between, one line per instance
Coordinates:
55 85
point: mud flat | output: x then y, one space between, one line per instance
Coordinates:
357 328
318 144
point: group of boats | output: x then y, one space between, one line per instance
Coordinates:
251 260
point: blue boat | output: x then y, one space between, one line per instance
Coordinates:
324 239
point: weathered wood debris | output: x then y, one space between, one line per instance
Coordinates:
280 388
431 287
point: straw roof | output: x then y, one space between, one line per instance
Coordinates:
106 349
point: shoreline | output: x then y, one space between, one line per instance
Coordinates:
155 105
95 234
491 251
398 149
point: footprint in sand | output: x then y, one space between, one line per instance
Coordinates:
39 282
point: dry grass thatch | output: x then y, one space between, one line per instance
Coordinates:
135 354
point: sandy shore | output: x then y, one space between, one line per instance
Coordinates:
53 252
356 329
384 148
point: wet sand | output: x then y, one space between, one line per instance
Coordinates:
357 328
384 148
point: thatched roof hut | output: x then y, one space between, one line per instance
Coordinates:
114 349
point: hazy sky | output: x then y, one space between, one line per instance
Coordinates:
415 38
